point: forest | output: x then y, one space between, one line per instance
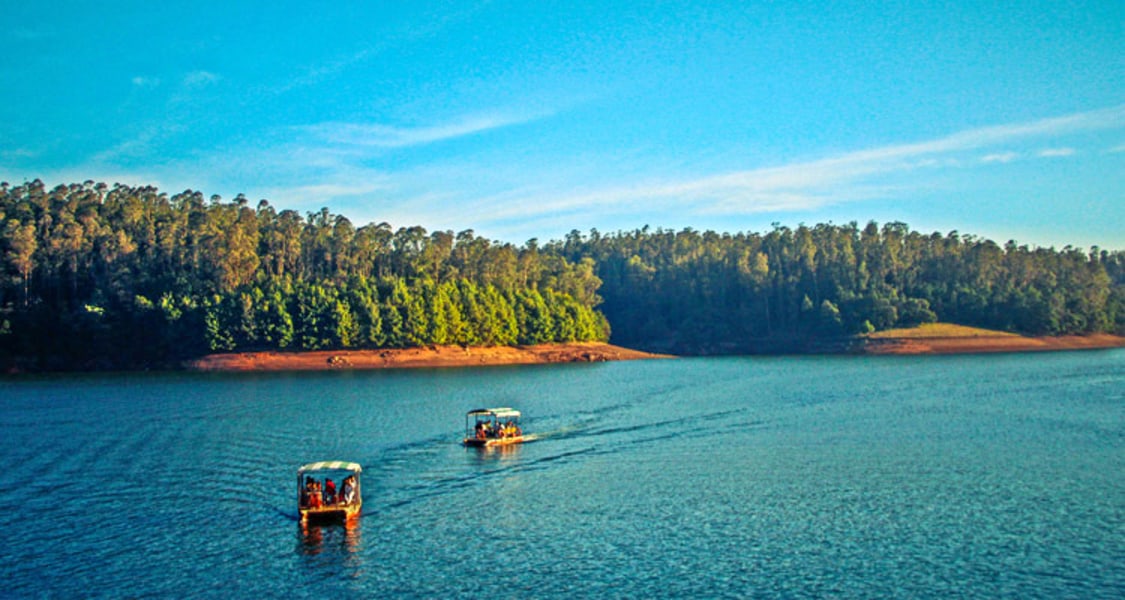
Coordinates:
101 277
807 288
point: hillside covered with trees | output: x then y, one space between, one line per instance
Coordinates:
101 277
94 276
795 289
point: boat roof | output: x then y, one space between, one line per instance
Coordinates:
333 465
500 413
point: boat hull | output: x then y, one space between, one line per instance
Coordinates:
490 442
323 514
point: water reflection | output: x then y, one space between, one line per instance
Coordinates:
490 454
341 538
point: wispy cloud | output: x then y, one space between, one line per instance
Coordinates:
429 26
1055 152
145 134
19 153
197 79
999 157
850 176
339 165
341 186
387 136
139 144
145 82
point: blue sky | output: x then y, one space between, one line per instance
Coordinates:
522 120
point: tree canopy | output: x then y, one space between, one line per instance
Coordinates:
98 276
690 291
94 276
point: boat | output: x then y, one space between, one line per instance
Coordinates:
319 504
488 427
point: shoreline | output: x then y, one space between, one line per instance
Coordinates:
944 338
983 342
941 339
413 358
991 345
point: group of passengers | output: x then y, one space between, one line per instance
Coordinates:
486 430
316 495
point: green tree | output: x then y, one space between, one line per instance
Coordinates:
533 318
217 323
364 301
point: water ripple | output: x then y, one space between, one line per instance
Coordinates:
754 477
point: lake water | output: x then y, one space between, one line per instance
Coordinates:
981 476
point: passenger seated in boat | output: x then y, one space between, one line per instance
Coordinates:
482 433
308 491
329 492
314 495
348 495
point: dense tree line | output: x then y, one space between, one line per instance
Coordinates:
122 276
125 276
689 291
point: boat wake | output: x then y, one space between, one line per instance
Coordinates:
407 474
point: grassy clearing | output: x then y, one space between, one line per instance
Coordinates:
939 330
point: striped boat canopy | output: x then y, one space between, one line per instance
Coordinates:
337 465
499 413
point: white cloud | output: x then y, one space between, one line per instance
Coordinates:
386 136
999 157
19 153
144 135
431 26
799 186
487 195
139 144
200 79
333 164
320 194
145 82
